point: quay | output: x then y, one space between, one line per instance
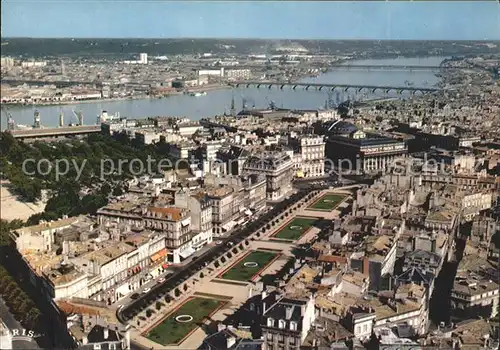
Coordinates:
55 132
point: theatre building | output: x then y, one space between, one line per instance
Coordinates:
350 148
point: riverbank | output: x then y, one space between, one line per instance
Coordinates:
219 99
69 103
204 88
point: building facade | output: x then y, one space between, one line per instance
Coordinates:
309 155
278 169
355 150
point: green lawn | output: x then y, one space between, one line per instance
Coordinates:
172 332
294 233
240 272
328 202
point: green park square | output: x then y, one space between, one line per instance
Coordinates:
327 202
295 228
240 272
170 331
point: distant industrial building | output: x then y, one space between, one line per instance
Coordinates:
143 59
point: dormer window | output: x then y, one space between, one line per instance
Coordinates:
281 324
270 322
293 326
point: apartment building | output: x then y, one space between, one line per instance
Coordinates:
181 150
375 259
476 289
225 202
175 222
252 189
103 269
406 309
286 320
109 264
309 155
149 257
64 280
200 207
126 212
278 169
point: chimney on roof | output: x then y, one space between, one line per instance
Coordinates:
65 248
106 333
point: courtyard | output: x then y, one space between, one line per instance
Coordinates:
183 321
296 228
246 268
327 202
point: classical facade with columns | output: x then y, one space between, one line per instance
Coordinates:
350 148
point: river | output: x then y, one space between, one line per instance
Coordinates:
219 101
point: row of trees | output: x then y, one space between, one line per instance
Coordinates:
86 156
5 228
18 302
68 202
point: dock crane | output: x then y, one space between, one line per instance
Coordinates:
11 124
79 117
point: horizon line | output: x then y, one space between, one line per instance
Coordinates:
243 38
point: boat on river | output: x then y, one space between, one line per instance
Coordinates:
198 94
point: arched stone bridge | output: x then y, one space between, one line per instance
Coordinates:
321 86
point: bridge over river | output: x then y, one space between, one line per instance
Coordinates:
326 86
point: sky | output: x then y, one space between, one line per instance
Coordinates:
379 20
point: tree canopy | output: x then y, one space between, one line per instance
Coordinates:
96 168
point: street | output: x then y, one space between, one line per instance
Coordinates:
167 273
